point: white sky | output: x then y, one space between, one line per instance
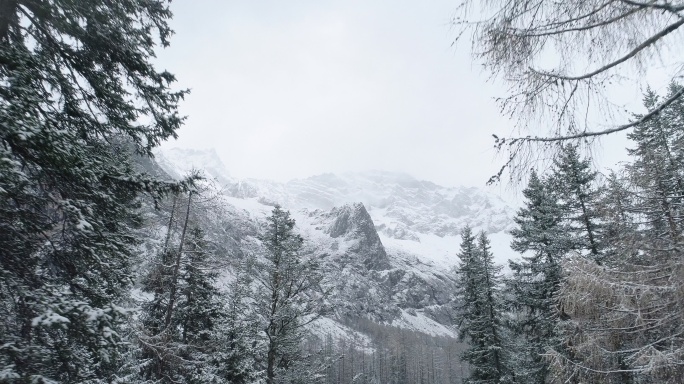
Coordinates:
289 89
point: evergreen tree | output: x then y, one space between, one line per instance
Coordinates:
480 311
575 185
77 92
199 314
235 358
657 170
621 233
625 315
541 238
288 296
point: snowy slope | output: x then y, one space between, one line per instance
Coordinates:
387 240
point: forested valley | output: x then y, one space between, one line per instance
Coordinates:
112 271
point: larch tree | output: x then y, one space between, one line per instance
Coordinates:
184 318
161 348
558 59
78 94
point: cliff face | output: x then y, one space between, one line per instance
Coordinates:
354 223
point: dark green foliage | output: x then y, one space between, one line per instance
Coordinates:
236 335
77 92
198 309
574 184
618 213
541 238
657 169
289 296
480 312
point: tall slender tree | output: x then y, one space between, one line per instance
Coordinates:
574 182
480 311
236 356
541 238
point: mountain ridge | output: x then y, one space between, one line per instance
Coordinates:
386 240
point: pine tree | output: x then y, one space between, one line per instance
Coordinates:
288 297
480 311
541 238
77 92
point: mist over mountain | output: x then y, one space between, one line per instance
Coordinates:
387 241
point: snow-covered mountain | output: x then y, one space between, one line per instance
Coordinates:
387 241
178 162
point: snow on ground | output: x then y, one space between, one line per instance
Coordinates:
417 321
323 326
442 251
252 206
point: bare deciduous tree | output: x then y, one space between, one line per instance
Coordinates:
558 58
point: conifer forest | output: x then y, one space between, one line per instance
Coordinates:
120 263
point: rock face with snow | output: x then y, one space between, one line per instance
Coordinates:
354 222
386 241
370 281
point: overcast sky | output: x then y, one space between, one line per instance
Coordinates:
290 89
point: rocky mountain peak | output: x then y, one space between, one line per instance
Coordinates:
351 219
352 223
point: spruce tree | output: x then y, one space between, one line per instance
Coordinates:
78 92
541 238
657 170
288 295
200 312
236 335
574 183
480 311
618 211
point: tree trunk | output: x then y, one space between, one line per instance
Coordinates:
176 267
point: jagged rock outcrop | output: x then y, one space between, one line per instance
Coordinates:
355 224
